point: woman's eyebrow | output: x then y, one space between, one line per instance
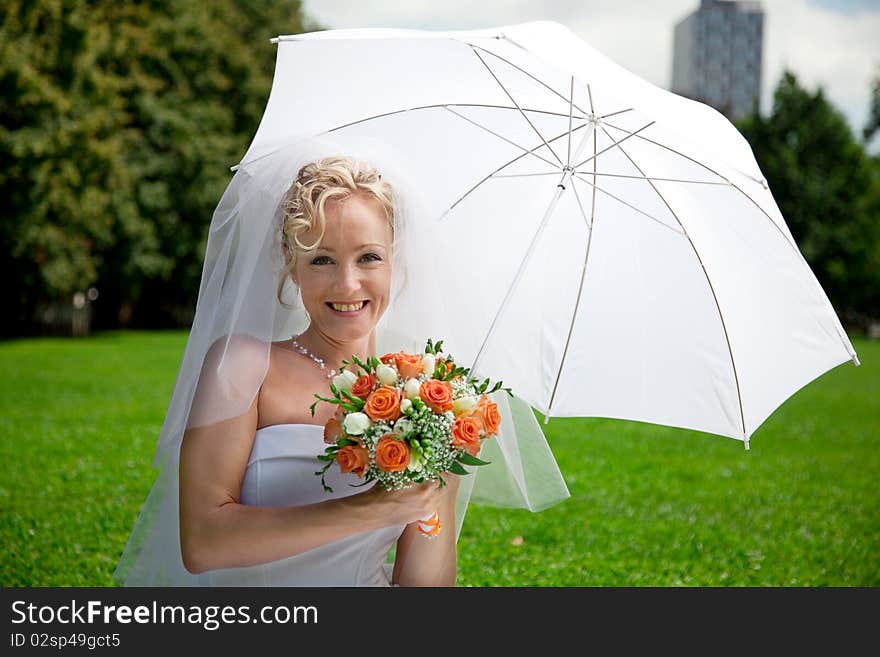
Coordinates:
327 248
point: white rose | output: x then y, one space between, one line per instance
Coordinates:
356 423
405 405
387 374
411 388
403 424
464 405
428 362
345 380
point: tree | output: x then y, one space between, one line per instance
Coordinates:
873 123
118 124
826 187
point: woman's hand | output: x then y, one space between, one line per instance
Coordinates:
401 507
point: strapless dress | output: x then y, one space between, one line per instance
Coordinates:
281 472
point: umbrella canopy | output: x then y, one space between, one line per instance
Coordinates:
624 254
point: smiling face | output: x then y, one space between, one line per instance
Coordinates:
351 266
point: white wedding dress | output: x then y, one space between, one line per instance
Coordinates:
281 472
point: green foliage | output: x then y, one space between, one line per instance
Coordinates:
826 187
873 123
118 124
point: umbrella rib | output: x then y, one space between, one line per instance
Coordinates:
844 340
439 105
605 116
235 167
629 205
492 132
523 175
577 301
615 143
490 175
513 100
696 182
742 414
570 110
588 222
544 84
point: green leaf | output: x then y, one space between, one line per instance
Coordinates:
467 459
456 468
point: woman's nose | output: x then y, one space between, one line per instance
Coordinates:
350 278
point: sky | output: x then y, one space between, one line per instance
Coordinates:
832 43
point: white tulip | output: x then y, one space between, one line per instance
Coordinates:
345 380
411 388
415 462
464 405
428 362
356 423
387 374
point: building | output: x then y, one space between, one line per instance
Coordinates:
717 56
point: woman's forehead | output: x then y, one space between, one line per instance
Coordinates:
353 224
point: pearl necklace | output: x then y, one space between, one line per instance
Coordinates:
305 352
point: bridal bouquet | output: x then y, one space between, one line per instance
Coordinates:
408 418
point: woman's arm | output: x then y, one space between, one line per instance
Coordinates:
423 561
217 531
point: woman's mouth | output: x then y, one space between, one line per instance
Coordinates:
347 309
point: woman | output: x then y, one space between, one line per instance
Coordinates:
237 500
343 212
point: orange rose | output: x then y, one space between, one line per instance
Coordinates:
388 359
437 395
409 365
363 385
489 415
353 458
392 455
466 433
449 364
332 431
383 404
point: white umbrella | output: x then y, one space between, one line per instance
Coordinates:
635 264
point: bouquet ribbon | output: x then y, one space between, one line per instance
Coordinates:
430 525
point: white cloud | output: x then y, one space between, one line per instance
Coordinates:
835 48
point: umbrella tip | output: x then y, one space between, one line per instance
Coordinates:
746 443
855 359
546 419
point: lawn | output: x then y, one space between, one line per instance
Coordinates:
650 505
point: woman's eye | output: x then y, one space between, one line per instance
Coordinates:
370 256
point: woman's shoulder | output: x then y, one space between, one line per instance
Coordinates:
238 354
232 372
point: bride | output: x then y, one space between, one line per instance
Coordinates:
237 501
267 456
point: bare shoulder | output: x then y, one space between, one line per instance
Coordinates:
232 372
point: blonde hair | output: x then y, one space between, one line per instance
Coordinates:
330 178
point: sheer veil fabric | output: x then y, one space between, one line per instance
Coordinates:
238 316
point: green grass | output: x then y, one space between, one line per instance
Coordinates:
650 505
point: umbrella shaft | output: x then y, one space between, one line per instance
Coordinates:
567 172
560 188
